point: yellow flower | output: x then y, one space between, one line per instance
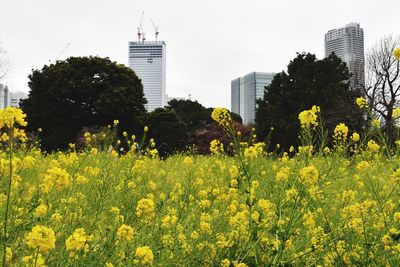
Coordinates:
255 150
361 102
9 255
42 238
145 130
40 210
309 175
225 263
145 209
188 161
283 174
55 177
4 137
80 179
306 150
125 233
396 53
308 118
340 132
116 122
396 217
396 113
376 123
144 256
56 217
77 241
205 225
242 264
363 165
234 183
34 260
216 147
372 146
291 194
11 116
250 152
355 137
28 162
221 116
170 219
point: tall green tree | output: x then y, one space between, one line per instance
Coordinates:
194 114
168 130
82 91
307 82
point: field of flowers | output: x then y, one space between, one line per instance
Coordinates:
97 208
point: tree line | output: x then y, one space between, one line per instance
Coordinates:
80 93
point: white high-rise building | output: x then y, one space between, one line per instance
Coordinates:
4 96
245 91
8 98
348 44
147 59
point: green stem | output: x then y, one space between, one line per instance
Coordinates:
5 239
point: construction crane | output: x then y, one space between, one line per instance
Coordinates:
140 32
156 32
62 51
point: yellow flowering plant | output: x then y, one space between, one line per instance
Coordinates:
396 53
301 208
312 132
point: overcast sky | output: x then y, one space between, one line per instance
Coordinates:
209 42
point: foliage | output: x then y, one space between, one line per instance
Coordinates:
200 126
168 130
82 91
192 113
307 82
202 137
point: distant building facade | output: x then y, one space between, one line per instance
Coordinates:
245 91
4 96
8 98
348 44
16 97
148 60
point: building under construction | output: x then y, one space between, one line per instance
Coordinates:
148 60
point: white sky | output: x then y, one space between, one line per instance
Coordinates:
209 42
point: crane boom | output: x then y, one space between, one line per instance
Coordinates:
140 28
156 32
62 51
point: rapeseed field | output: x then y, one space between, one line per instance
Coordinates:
311 206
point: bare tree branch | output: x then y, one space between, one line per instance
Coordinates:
3 63
382 88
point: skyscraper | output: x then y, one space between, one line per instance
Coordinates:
147 59
348 44
245 91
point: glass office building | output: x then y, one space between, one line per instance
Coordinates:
147 59
244 92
